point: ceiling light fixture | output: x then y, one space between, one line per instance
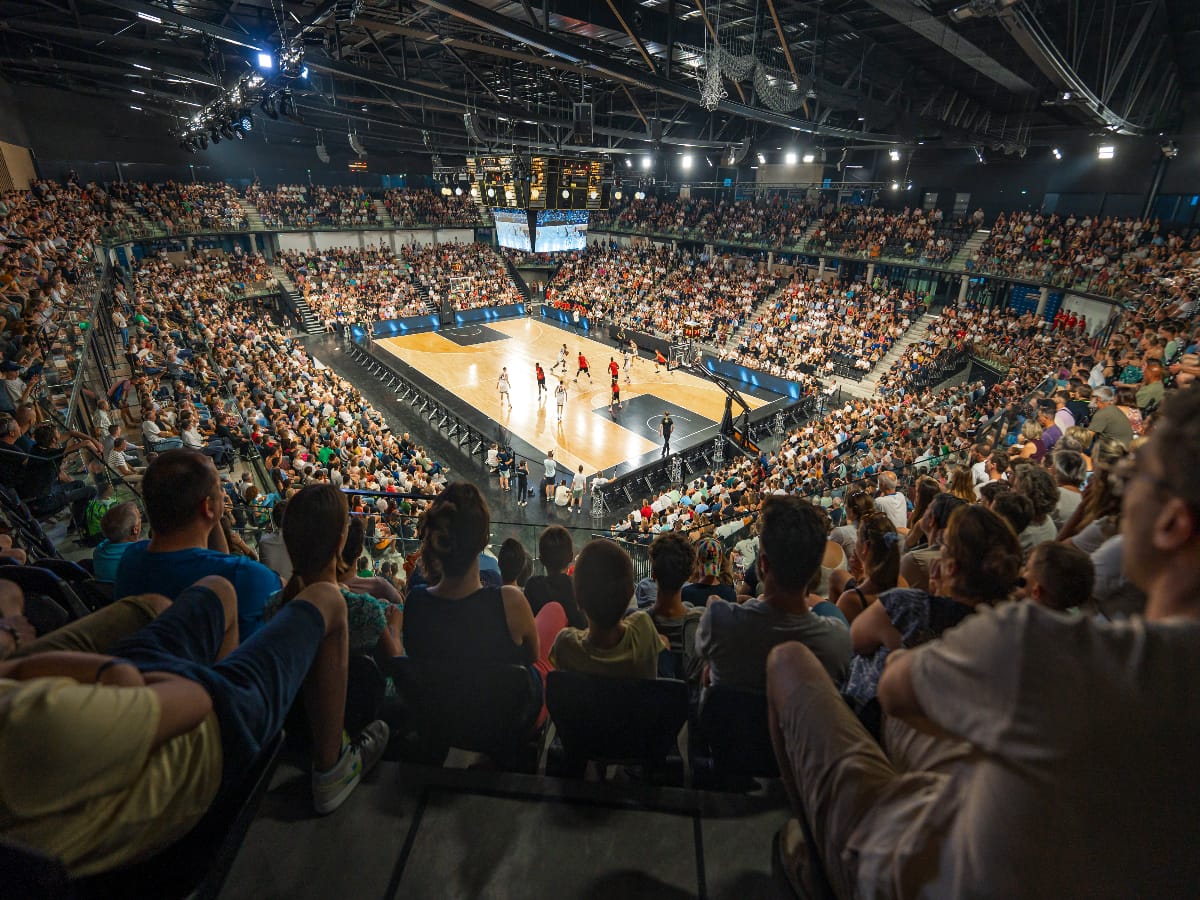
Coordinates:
894 155
1106 151
790 157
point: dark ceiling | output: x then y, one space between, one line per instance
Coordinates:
995 73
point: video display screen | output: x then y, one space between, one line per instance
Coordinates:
560 230
512 229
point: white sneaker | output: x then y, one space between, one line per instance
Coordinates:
330 789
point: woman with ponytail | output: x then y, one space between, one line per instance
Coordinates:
315 526
455 619
875 565
980 562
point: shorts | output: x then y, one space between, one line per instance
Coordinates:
253 688
98 632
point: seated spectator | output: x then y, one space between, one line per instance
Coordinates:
734 640
1059 577
891 502
113 758
914 565
713 575
516 565
999 683
185 503
119 463
40 478
672 559
612 645
158 437
272 551
1070 470
1038 485
556 551
315 535
875 565
980 562
121 527
455 619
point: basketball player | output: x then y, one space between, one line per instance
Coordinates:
659 360
630 356
613 369
502 386
615 401
560 397
583 368
541 379
562 359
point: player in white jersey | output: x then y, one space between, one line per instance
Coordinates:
502 386
562 359
630 355
560 397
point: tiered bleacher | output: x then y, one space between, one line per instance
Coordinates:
421 206
179 207
464 275
654 290
353 284
959 621
313 206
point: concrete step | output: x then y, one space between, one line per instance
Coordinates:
253 216
969 248
385 218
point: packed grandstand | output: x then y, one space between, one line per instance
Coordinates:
903 511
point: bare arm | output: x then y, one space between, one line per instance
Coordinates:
899 698
872 629
521 626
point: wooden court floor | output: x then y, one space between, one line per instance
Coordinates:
588 434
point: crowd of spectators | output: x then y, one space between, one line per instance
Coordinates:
816 328
776 221
184 206
873 232
307 206
657 289
463 275
1104 255
353 284
931 590
421 206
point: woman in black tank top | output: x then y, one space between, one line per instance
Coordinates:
456 618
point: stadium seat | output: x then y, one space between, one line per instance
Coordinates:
733 724
487 709
194 867
615 720
34 580
93 593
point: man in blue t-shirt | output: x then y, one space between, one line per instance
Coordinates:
184 503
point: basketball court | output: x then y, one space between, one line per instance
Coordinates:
466 362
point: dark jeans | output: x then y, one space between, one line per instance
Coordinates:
75 493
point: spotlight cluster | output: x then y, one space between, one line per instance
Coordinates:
231 115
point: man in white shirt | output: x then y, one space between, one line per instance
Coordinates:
562 494
890 503
549 467
578 486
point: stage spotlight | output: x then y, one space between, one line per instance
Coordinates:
790 157
566 195
895 185
894 155
215 135
616 195
458 192
1106 151
686 161
809 158
268 107
287 106
647 162
628 163
762 160
266 61
491 192
1057 153
226 131
979 155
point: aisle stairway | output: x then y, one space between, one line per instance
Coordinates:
252 215
736 337
866 387
385 217
309 321
968 250
517 279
